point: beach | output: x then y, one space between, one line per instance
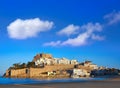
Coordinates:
109 83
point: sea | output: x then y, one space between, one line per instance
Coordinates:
5 81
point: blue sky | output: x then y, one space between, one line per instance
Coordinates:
81 29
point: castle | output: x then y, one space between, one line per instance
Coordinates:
46 66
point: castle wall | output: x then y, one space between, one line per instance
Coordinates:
34 72
46 56
18 72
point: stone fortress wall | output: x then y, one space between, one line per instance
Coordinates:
36 72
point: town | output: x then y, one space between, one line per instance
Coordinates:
46 66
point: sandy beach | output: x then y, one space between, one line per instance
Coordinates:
110 83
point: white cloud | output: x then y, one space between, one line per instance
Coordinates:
113 17
69 30
82 38
90 27
57 43
22 29
97 37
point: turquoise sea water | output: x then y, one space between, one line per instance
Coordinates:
33 81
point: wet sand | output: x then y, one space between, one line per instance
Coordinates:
111 83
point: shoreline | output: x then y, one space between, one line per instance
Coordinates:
107 83
68 81
64 77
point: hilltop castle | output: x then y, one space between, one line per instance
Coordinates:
45 65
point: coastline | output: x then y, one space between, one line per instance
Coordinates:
108 83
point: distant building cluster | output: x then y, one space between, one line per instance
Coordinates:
89 64
47 59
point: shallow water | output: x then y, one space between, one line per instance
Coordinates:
32 81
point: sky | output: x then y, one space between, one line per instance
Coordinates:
75 29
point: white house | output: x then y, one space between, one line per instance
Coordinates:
45 61
63 61
39 61
56 61
87 63
49 61
80 73
94 66
73 62
90 64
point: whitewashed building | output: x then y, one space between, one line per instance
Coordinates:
80 73
94 66
73 62
39 61
45 61
87 63
56 61
90 64
63 61
48 61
